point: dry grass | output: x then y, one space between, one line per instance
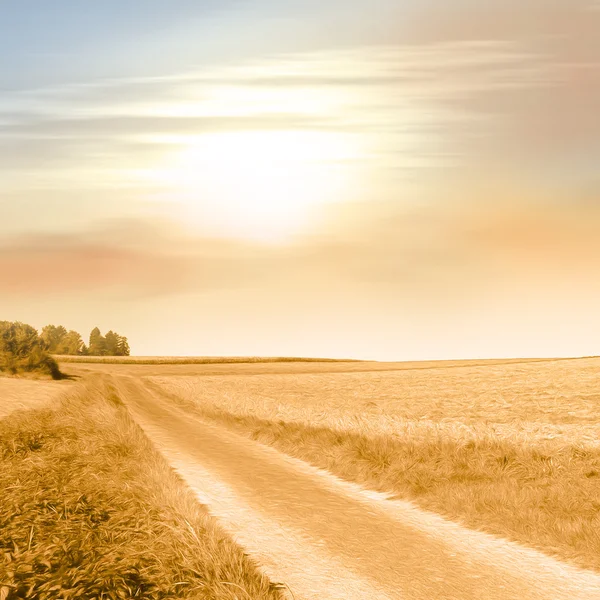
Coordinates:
88 509
512 449
19 394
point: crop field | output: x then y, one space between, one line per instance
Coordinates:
511 448
188 360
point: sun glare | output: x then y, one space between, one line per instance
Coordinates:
261 184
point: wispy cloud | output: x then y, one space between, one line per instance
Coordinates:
425 255
124 259
413 105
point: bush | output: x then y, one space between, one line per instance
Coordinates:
22 351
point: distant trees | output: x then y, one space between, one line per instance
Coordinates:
57 340
22 349
112 344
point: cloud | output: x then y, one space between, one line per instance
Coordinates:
126 258
502 20
440 253
455 62
65 265
411 104
127 128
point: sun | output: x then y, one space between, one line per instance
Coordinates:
262 185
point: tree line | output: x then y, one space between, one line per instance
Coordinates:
57 340
24 350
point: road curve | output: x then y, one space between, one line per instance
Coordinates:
330 539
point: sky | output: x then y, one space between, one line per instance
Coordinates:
390 180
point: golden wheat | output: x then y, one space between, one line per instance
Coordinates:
509 448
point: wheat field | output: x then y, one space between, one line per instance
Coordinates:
189 360
512 449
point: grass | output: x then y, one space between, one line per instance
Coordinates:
511 449
88 509
17 393
190 360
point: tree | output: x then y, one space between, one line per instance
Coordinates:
57 340
97 345
111 343
123 347
52 338
72 344
116 345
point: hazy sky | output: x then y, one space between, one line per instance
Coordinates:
391 179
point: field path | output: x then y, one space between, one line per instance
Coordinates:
328 539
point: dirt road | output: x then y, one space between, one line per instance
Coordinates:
329 539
